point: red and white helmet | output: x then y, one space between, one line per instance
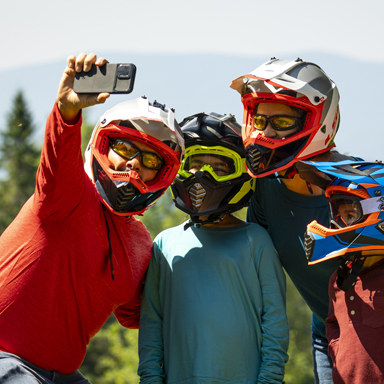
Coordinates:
124 193
298 84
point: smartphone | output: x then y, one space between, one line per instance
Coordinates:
111 78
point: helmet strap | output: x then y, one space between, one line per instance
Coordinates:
289 173
348 271
195 221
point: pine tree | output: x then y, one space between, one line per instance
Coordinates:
19 159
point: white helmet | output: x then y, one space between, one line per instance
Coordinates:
124 193
298 84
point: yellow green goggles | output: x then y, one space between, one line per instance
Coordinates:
221 163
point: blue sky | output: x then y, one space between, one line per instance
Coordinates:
43 31
189 52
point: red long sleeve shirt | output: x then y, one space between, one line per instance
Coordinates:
355 328
56 289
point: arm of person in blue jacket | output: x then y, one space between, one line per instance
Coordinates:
151 349
274 322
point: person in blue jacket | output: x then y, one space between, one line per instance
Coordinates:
213 307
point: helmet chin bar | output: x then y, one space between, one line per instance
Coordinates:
197 194
200 195
263 161
349 268
212 219
122 196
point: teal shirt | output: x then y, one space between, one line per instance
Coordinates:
286 214
213 309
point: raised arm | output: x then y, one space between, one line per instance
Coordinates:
61 178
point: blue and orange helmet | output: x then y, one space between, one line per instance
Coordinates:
356 206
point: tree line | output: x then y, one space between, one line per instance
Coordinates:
112 356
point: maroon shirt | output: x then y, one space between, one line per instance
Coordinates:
56 289
355 328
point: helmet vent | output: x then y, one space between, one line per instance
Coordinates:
253 156
165 172
104 145
124 196
318 228
197 194
266 140
380 227
308 245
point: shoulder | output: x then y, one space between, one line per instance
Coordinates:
132 231
169 235
267 188
257 236
254 229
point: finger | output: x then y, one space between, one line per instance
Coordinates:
80 62
91 99
101 61
101 97
71 61
88 61
70 70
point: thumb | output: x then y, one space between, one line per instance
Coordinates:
101 97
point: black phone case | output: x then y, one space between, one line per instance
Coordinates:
111 78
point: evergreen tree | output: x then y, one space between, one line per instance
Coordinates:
19 159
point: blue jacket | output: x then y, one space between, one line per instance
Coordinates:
213 308
286 214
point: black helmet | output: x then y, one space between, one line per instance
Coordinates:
212 180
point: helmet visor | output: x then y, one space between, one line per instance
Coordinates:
221 163
345 210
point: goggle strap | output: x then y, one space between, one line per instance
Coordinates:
375 204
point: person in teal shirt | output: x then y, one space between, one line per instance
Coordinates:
213 307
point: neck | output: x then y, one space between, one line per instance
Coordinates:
298 185
371 260
227 222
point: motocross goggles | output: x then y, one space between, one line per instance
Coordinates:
347 210
126 149
221 163
278 122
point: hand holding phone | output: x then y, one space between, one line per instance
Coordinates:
110 78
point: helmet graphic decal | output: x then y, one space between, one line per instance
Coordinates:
309 93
